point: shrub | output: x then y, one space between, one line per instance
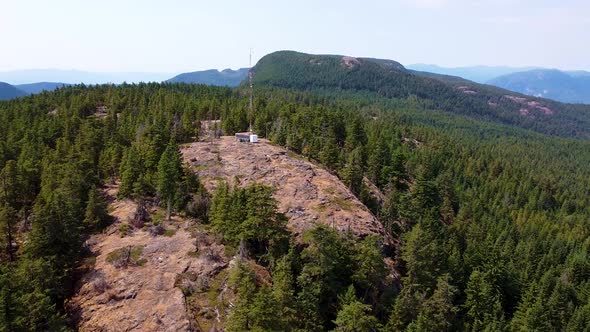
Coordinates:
126 256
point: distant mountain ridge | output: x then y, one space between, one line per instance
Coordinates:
33 88
569 87
335 74
226 77
27 76
563 86
479 74
8 91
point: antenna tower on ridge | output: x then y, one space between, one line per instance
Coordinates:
251 91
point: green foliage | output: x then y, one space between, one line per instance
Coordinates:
249 216
169 175
354 316
502 211
352 173
283 290
126 256
8 231
484 302
328 74
326 272
438 311
96 214
369 272
423 257
255 309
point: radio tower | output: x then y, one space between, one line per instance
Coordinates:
251 92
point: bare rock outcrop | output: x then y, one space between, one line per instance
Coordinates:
307 193
175 278
142 294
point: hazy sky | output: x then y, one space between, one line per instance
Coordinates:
178 35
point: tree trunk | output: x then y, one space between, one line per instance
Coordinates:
9 245
169 209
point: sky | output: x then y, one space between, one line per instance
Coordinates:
176 36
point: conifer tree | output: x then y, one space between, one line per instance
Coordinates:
325 273
130 171
438 312
283 290
7 225
354 316
9 184
243 280
352 174
484 303
95 215
169 176
423 257
370 271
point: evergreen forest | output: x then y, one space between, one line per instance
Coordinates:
490 213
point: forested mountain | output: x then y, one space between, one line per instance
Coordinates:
8 91
383 78
40 87
226 77
548 83
490 220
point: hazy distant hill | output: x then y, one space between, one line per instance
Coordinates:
8 91
226 77
570 87
41 86
387 79
78 76
479 74
578 73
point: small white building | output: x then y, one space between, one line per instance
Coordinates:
247 137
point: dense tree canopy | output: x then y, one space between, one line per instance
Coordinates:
492 219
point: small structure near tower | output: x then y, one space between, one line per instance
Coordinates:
247 136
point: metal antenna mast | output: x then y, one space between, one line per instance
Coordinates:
251 91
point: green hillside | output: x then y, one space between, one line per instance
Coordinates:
491 218
226 77
388 79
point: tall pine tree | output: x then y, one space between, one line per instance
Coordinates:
169 175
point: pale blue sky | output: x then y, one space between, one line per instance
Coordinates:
181 35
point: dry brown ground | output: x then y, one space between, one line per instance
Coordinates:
306 193
145 297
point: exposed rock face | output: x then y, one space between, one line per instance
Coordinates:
179 282
528 106
306 193
135 298
349 62
141 297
